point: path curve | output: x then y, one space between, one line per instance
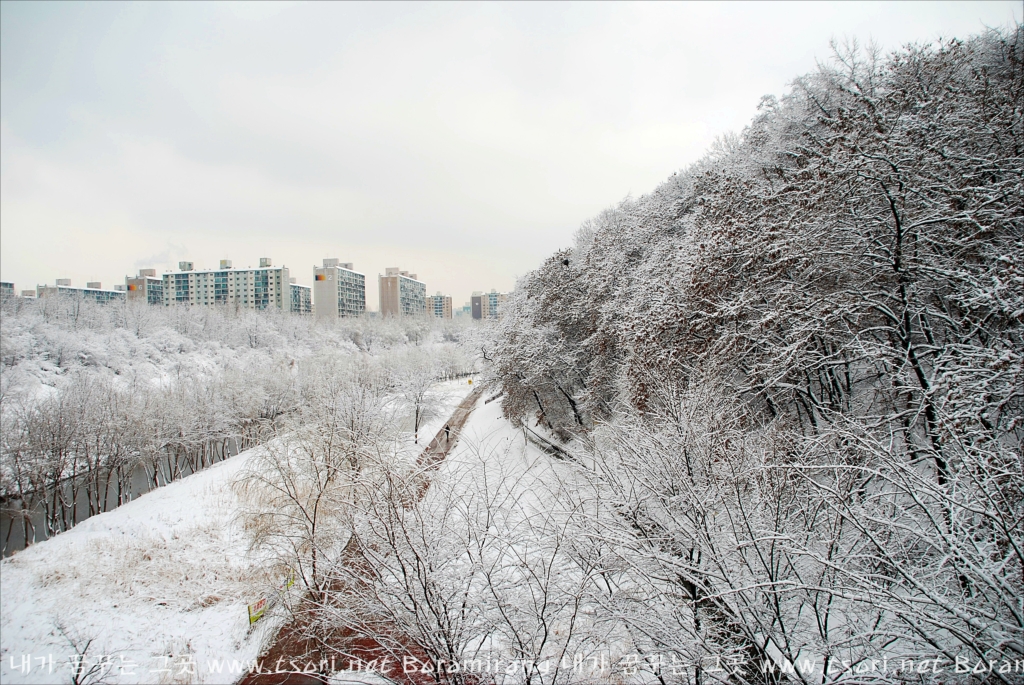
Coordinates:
289 643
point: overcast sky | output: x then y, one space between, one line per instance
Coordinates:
463 142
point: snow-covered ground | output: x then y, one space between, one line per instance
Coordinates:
489 442
157 588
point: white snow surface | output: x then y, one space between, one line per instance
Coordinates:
488 441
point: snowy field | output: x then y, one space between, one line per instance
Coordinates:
158 589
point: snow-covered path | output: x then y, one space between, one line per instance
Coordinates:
489 443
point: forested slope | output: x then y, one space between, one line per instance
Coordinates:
795 375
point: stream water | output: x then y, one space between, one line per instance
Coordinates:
12 528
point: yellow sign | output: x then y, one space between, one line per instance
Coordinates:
257 610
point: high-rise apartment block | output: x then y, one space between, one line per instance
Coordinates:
94 290
302 298
147 286
480 305
338 290
401 294
6 289
439 306
487 305
259 288
495 302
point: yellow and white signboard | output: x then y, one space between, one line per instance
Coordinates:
257 610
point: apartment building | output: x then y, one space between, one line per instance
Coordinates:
302 298
480 305
147 286
6 289
339 291
495 302
93 290
439 306
401 293
252 288
487 305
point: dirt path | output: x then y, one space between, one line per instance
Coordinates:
291 646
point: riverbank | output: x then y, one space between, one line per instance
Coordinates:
157 589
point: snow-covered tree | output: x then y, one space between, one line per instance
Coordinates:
796 369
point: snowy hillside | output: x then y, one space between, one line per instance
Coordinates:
161 582
796 372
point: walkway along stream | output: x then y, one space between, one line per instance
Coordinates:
290 644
